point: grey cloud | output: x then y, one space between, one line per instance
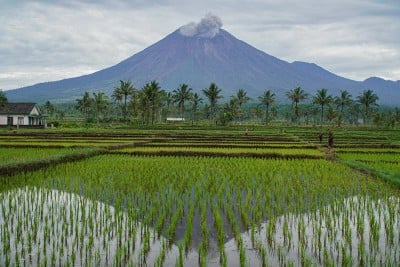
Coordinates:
355 39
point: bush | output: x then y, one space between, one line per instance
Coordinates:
54 123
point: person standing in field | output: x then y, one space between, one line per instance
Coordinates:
320 136
330 139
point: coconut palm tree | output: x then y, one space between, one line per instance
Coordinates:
229 111
322 98
196 100
169 100
3 98
368 98
343 100
84 104
124 90
213 93
117 97
100 101
49 108
296 96
240 99
151 99
180 95
267 99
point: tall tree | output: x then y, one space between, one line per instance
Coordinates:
343 100
296 96
368 98
229 111
49 108
267 99
151 99
84 104
117 97
180 95
213 93
196 100
241 99
3 98
169 100
322 98
100 102
124 90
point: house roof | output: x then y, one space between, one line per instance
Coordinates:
17 108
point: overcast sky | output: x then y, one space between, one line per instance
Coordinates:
50 40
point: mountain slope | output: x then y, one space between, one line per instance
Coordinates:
199 60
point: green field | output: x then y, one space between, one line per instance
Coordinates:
166 197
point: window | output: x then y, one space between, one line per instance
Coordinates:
20 120
10 121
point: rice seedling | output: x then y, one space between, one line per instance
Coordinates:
122 209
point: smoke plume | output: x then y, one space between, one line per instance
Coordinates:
208 27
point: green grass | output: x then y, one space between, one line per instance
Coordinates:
17 156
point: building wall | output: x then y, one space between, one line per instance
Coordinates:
21 120
17 119
3 120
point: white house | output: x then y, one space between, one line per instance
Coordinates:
21 115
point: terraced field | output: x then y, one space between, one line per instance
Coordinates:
200 197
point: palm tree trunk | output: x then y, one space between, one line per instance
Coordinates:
125 107
322 114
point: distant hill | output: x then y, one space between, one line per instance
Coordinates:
201 56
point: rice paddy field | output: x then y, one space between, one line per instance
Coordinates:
200 197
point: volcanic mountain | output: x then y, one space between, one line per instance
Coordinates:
198 54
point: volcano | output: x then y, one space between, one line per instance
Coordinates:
198 54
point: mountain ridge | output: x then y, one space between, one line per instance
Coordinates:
198 60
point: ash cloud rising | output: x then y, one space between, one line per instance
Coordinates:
208 27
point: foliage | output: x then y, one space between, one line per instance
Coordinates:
84 104
368 98
180 95
296 96
213 93
152 105
122 92
267 99
322 98
3 98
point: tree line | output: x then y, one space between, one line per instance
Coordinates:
151 104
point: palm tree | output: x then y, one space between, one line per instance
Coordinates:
367 99
3 98
180 95
241 98
84 104
296 95
49 108
267 99
213 94
229 111
124 90
322 98
196 100
117 97
344 99
151 99
100 101
169 100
